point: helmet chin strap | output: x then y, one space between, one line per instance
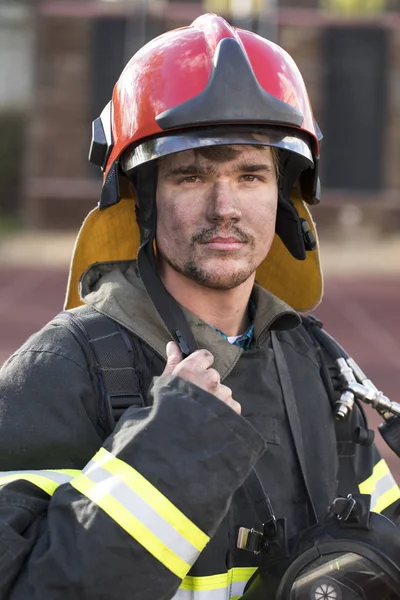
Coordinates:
293 231
167 307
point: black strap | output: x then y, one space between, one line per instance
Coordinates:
116 360
167 307
145 181
347 477
293 416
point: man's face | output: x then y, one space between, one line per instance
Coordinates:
216 219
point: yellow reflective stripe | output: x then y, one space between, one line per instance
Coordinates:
153 497
242 573
215 582
41 482
99 495
70 472
47 480
381 486
379 471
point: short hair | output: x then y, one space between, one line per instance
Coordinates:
225 153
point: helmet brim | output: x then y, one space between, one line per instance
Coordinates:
158 147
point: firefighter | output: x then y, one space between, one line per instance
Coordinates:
179 397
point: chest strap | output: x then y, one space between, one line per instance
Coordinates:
329 352
293 418
115 356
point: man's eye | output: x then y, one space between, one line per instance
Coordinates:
249 178
191 179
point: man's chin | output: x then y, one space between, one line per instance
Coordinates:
213 274
226 280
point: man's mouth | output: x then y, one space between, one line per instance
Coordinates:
224 243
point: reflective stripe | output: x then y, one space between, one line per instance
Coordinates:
225 586
382 487
146 514
46 480
142 511
152 496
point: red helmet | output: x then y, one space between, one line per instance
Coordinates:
204 76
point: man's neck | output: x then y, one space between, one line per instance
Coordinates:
226 310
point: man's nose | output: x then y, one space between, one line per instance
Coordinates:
223 204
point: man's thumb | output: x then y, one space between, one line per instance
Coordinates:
174 357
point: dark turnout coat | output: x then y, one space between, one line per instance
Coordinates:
151 509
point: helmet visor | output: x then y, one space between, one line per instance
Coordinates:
200 138
344 577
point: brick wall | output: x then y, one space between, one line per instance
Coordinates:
59 134
380 212
393 124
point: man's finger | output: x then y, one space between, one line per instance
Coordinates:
174 357
200 360
236 406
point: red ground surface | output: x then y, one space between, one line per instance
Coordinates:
362 314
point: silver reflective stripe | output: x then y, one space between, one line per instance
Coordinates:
141 510
383 485
233 590
237 588
221 594
57 477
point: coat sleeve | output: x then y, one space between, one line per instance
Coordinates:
83 517
374 476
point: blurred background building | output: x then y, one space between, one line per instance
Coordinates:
59 60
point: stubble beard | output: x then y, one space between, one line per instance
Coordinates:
212 279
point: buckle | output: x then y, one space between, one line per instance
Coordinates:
251 540
343 507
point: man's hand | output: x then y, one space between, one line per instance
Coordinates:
196 368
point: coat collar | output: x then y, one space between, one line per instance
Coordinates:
116 290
